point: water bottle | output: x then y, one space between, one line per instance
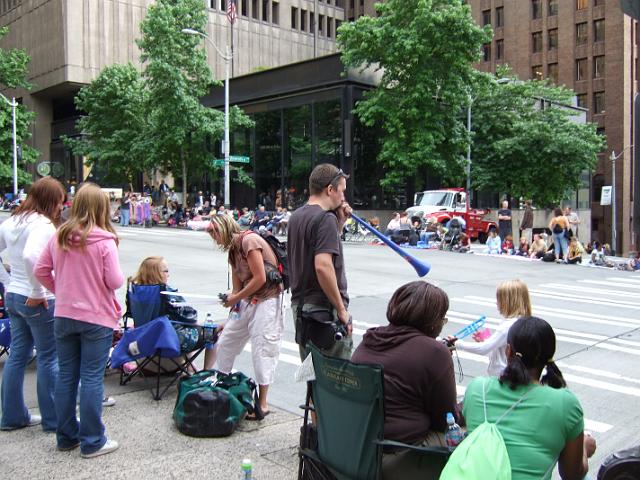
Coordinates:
454 435
234 314
208 328
246 469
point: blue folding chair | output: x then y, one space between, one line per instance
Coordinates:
5 336
153 339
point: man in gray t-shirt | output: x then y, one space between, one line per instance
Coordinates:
327 283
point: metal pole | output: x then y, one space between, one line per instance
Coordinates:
469 155
227 201
614 240
15 150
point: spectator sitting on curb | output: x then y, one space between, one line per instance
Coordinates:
463 245
493 243
523 247
507 245
538 247
575 251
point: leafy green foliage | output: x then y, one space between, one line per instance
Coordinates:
13 72
115 123
426 49
525 150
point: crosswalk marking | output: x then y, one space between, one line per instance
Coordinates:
611 284
597 291
564 313
580 299
568 337
625 279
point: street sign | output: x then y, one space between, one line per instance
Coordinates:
239 159
218 163
605 199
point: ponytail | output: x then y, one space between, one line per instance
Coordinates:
553 376
515 373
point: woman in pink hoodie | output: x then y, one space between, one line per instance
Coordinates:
80 266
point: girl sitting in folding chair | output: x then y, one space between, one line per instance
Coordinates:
155 271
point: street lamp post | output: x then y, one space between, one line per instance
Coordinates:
13 104
227 61
614 220
469 199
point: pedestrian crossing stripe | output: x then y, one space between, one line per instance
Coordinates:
565 313
615 284
580 299
566 336
590 290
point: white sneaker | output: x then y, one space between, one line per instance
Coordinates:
108 402
35 420
108 447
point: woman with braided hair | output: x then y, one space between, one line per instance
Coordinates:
544 423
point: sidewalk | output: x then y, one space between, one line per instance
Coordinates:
151 446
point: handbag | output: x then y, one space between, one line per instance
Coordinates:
319 325
211 404
568 233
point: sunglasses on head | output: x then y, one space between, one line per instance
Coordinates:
338 174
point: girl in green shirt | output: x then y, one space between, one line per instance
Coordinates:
547 426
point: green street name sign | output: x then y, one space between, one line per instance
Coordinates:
219 162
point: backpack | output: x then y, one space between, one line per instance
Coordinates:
483 454
279 249
211 404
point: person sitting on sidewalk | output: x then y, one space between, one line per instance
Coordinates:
507 245
523 248
419 379
540 420
493 243
575 251
538 247
463 245
393 224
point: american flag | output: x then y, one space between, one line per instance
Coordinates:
232 11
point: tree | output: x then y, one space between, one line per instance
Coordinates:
13 72
115 123
176 75
425 49
528 147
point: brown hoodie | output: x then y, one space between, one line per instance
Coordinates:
419 380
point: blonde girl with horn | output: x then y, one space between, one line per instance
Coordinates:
513 302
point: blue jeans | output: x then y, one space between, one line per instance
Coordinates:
83 350
29 326
560 243
125 214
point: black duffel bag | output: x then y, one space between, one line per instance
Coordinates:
621 465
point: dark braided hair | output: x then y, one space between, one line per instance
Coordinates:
533 343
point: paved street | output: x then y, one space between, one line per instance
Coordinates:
592 310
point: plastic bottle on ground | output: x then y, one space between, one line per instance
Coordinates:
247 469
208 328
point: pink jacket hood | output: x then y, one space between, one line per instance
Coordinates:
84 280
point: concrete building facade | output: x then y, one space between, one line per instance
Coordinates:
71 41
591 47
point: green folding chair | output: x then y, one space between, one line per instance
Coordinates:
347 441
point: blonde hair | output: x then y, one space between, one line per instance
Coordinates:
91 209
227 227
149 272
513 300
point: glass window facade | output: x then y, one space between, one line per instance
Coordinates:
499 17
536 42
598 30
581 69
536 9
552 8
499 49
553 39
581 33
598 66
486 18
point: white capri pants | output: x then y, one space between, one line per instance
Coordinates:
263 324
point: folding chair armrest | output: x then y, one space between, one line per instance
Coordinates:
444 451
309 408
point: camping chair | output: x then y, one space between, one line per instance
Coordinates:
153 344
348 400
